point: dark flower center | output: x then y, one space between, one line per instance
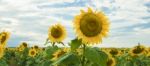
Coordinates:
90 25
56 32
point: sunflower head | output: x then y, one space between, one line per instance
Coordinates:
4 37
57 54
79 51
1 51
111 62
123 51
36 47
43 49
20 49
66 49
24 44
114 52
6 48
137 50
32 52
91 26
148 49
57 33
148 55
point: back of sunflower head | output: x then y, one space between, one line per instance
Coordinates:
4 36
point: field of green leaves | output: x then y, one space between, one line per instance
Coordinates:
74 56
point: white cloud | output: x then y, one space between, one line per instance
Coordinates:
60 1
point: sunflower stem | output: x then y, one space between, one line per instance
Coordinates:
62 43
53 44
46 42
83 58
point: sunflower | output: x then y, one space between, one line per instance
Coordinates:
66 49
1 51
79 51
114 52
123 51
24 44
148 54
32 52
43 49
91 26
36 47
57 54
20 49
57 33
111 62
4 37
148 49
137 50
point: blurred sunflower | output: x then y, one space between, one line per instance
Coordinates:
137 50
4 37
1 51
57 54
111 62
57 33
21 47
43 49
36 47
148 54
32 52
24 44
91 26
6 48
123 51
79 51
66 49
146 51
114 52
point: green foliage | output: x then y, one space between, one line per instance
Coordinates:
67 60
75 44
90 56
3 62
96 56
50 50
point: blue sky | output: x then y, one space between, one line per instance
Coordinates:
28 20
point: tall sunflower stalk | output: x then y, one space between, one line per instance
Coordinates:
83 58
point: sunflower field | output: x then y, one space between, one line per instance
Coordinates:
90 27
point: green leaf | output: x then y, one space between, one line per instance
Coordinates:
61 59
95 56
129 63
50 50
3 62
46 63
72 60
75 44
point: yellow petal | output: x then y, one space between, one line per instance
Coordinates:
82 11
90 10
